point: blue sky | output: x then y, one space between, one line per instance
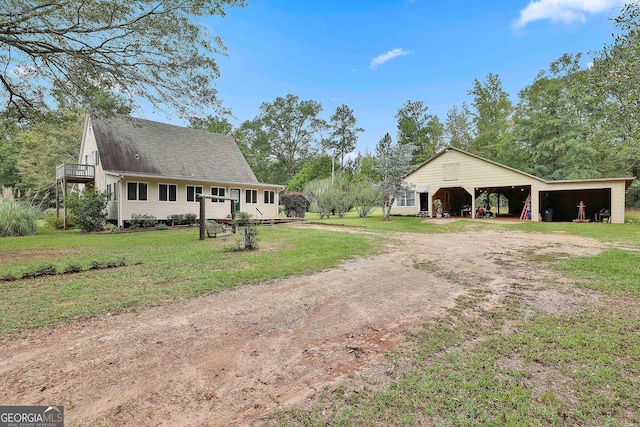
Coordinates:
375 55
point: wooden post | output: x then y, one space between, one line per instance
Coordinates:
64 200
202 230
233 216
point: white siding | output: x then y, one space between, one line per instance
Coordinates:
213 210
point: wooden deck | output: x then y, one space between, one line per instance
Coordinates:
75 173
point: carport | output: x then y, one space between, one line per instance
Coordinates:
459 179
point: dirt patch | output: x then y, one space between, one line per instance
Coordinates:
236 356
12 256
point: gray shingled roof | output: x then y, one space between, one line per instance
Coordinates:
131 145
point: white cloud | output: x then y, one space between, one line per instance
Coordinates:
567 11
381 59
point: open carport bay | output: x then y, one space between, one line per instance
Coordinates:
563 205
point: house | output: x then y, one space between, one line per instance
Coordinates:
147 167
459 178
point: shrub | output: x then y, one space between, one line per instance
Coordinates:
247 235
73 268
295 204
365 197
143 220
16 218
182 219
47 270
88 209
52 220
110 227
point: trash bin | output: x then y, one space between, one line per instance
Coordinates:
548 215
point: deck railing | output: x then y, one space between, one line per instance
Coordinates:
74 170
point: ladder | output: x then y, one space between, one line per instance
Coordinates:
525 208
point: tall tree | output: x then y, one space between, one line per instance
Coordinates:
392 162
458 128
491 119
344 132
293 130
156 50
253 142
420 129
553 120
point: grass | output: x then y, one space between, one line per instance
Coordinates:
162 266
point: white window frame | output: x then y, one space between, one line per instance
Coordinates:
168 193
195 192
138 183
269 197
254 196
224 194
403 200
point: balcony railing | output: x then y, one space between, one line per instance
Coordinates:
75 172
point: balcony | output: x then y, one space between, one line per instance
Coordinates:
72 173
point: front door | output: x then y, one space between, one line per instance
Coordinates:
424 201
234 193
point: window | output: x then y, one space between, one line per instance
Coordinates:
109 194
251 196
167 192
269 197
192 190
137 191
406 199
217 191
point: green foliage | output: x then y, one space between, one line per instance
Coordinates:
52 220
344 133
491 120
88 209
89 44
366 196
313 169
247 233
293 127
330 196
143 220
254 143
295 204
421 130
16 218
392 163
215 124
182 219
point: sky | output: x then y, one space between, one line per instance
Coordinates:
375 55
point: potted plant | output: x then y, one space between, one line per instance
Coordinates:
438 204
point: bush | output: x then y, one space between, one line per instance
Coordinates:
16 218
88 209
143 220
110 227
365 197
182 219
247 235
295 204
52 220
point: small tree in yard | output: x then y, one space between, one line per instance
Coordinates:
88 209
365 197
295 204
392 162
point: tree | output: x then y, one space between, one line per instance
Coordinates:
418 128
253 142
313 169
615 77
214 124
292 128
156 50
458 128
344 133
554 120
44 146
393 162
491 119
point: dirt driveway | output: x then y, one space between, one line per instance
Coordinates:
234 357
